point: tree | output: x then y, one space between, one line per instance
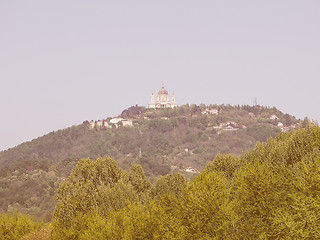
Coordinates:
287 120
305 122
226 164
275 192
173 183
139 182
17 225
92 186
303 142
257 193
204 207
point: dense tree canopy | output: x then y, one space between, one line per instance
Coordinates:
271 192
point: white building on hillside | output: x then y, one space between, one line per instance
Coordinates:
127 123
116 120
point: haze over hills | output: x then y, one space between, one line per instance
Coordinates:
190 172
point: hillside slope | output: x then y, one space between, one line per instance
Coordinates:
182 140
160 140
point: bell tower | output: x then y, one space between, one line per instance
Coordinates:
152 103
173 101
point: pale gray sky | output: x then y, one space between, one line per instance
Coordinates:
63 62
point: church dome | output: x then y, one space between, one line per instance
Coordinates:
162 91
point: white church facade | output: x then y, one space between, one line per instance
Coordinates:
163 100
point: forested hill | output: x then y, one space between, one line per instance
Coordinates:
160 140
163 141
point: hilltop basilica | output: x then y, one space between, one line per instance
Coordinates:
163 100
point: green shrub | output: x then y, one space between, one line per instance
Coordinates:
17 225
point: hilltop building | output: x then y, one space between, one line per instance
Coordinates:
163 100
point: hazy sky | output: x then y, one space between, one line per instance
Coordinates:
63 62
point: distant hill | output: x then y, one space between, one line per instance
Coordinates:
183 139
160 140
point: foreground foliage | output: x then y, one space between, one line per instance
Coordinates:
17 225
271 192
